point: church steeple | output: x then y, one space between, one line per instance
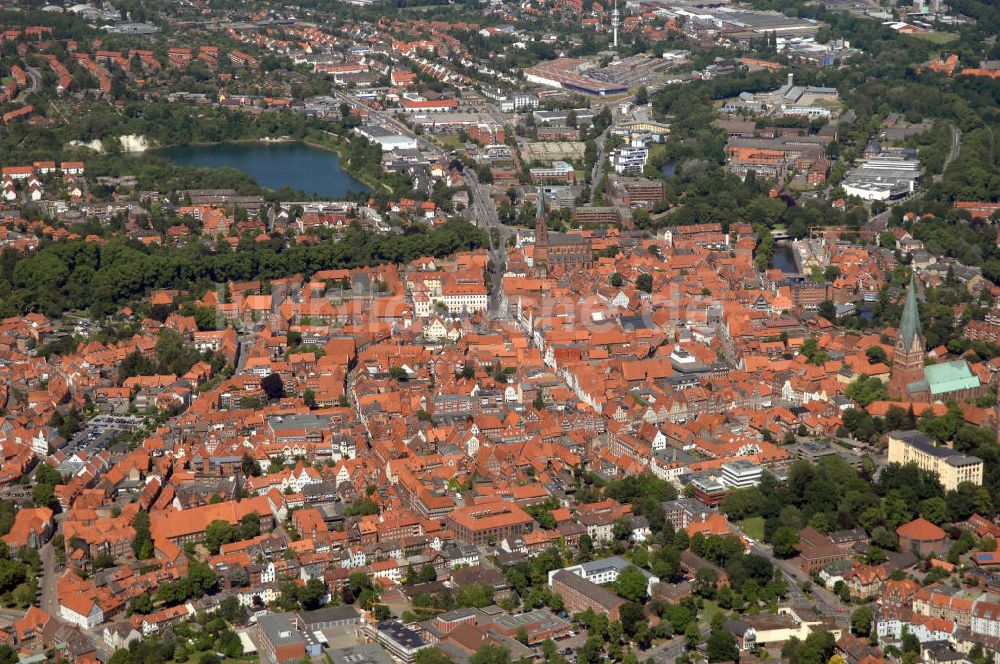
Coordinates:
909 350
909 324
541 234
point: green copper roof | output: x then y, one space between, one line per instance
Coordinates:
909 324
950 377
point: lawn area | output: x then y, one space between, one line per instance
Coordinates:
753 527
450 141
709 609
936 37
800 186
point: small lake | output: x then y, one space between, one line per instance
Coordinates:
669 169
273 165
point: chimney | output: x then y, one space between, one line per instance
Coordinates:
790 76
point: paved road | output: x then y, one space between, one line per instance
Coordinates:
669 651
36 81
482 208
484 214
825 601
882 219
50 592
243 347
353 395
602 160
956 147
388 119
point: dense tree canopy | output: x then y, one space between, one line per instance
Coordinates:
831 495
73 275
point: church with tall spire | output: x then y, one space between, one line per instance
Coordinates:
557 251
541 234
909 350
911 380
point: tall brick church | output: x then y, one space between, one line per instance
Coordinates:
557 250
909 350
911 380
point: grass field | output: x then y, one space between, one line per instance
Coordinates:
753 527
936 37
709 609
450 141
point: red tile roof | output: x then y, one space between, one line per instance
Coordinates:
920 530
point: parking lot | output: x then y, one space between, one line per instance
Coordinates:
98 433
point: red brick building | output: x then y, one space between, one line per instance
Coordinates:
482 524
578 595
817 550
921 537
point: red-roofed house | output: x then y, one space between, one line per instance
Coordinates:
32 528
31 625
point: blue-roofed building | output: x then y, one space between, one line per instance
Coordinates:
401 641
986 558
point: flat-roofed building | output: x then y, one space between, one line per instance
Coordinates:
629 160
369 653
741 474
538 624
386 138
283 637
708 490
571 74
951 467
559 171
683 511
883 177
767 629
401 641
637 192
591 214
331 616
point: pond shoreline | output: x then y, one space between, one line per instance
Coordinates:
296 169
